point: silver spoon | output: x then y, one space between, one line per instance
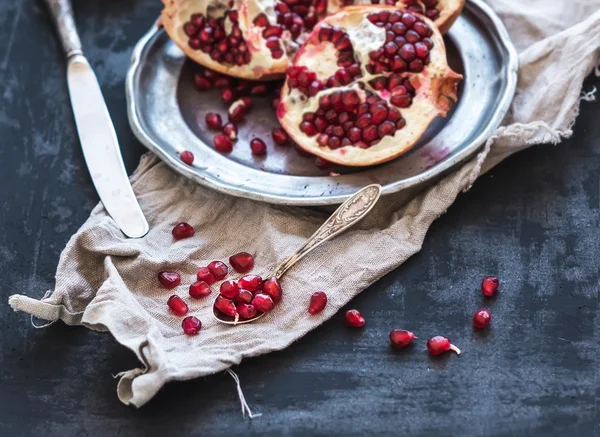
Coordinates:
353 210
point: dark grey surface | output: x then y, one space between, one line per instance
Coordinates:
533 220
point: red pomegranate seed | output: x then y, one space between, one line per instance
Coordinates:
231 131
438 345
223 82
199 289
272 288
226 306
182 230
481 319
223 143
280 136
237 110
263 303
218 269
228 96
241 262
213 120
262 88
323 164
400 338
191 325
187 157
354 319
258 146
489 285
246 311
177 305
317 302
244 296
251 282
169 280
202 83
229 289
204 274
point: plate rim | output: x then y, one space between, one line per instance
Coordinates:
511 67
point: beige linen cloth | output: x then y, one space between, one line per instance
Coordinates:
107 282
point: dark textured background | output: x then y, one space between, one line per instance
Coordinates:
533 220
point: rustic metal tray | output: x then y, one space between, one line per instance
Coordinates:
166 113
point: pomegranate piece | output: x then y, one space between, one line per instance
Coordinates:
241 262
489 286
244 296
251 282
199 289
263 303
169 280
481 319
271 287
317 302
323 164
218 269
187 157
438 345
238 109
204 274
231 131
400 338
191 325
229 289
182 230
223 143
226 306
353 319
258 146
246 311
280 136
213 120
177 305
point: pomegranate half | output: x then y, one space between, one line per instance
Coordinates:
250 39
366 84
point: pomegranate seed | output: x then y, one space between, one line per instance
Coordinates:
263 303
250 282
228 96
182 230
191 325
218 269
481 319
272 288
169 280
237 110
231 131
241 262
489 285
438 345
280 136
258 146
259 89
187 157
317 302
323 164
244 296
177 305
213 120
223 143
223 82
204 274
229 289
199 289
202 83
246 311
226 306
354 319
400 338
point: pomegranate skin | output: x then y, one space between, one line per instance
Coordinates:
191 325
489 286
318 301
354 319
169 280
400 338
481 319
272 287
263 303
242 262
177 305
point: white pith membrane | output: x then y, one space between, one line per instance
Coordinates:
262 64
435 87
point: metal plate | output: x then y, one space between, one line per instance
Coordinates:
166 113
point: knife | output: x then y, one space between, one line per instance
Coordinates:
95 129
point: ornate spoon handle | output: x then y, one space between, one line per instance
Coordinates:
353 210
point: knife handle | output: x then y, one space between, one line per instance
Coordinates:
62 16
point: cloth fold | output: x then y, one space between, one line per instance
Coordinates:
105 281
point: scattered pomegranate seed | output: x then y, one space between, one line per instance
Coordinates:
191 325
280 136
323 164
226 306
258 146
241 262
229 289
317 302
213 120
182 230
228 96
251 282
177 305
199 289
400 338
263 303
438 345
246 311
187 157
489 285
354 319
202 83
223 143
481 319
231 131
169 280
218 269
244 296
204 274
272 287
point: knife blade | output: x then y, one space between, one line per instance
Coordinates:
101 148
